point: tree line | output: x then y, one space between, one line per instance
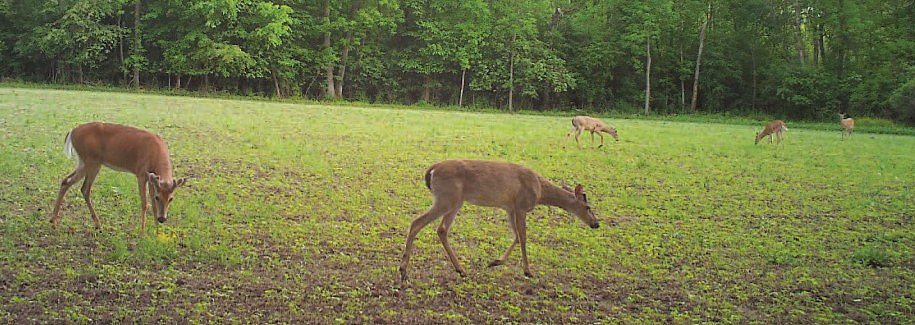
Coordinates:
785 58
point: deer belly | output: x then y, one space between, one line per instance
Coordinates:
120 169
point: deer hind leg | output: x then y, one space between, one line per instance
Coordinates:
91 173
501 260
577 134
438 209
68 181
443 228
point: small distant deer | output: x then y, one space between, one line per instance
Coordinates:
776 127
848 125
514 188
121 148
593 125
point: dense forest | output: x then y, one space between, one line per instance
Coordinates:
788 58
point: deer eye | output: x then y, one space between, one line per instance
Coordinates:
170 199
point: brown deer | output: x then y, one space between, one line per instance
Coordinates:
514 188
848 125
121 148
776 127
593 125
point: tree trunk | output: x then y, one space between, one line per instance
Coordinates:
692 106
511 75
329 69
797 31
427 89
341 72
136 42
682 82
816 45
753 65
121 51
178 81
841 51
276 83
461 97
647 74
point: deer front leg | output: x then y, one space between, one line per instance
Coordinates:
443 237
500 261
601 139
521 229
141 184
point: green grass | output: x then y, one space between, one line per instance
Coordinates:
298 212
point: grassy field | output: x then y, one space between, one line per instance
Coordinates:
298 213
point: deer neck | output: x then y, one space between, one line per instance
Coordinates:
162 167
555 196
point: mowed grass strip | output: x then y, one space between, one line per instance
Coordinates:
298 213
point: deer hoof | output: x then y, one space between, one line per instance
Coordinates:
528 274
496 263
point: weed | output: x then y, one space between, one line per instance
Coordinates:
873 256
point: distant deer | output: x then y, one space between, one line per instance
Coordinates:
593 125
514 188
121 148
776 127
848 125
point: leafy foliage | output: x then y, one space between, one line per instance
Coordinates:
855 56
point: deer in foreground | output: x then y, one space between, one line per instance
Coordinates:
848 124
593 125
121 148
514 188
776 127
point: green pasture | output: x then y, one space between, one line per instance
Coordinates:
298 212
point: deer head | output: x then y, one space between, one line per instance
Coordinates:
581 208
163 193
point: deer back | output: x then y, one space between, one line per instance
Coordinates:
485 183
122 148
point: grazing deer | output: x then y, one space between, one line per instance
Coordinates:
511 187
594 125
848 124
776 127
121 148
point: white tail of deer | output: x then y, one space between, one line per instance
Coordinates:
776 127
121 148
848 125
593 125
514 188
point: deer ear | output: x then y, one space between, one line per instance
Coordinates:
579 189
180 182
153 179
